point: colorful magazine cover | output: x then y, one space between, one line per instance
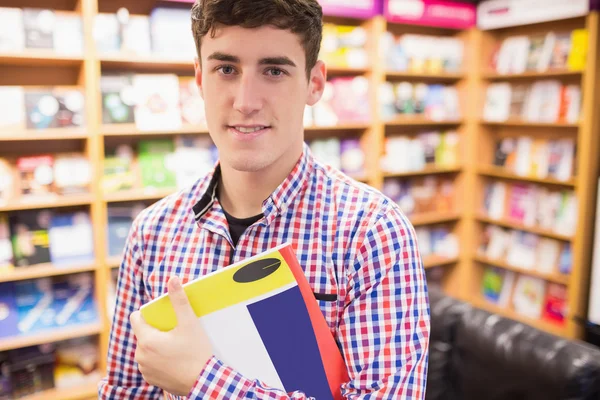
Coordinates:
262 320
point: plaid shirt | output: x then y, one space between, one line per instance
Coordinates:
352 242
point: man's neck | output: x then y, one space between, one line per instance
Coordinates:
242 193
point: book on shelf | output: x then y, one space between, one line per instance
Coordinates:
497 285
119 169
119 221
72 173
8 182
71 239
118 99
555 304
344 46
157 106
30 238
68 34
12 31
157 163
526 251
544 101
286 341
170 34
420 196
39 28
6 252
41 305
528 296
541 52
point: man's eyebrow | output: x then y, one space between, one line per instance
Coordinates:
283 60
224 57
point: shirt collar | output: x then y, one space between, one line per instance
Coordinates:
276 203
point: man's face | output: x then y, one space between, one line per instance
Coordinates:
255 88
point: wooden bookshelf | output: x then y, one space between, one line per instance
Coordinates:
50 336
43 271
54 202
499 172
522 227
550 277
549 327
587 164
85 392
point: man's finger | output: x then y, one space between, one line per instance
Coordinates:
183 310
137 322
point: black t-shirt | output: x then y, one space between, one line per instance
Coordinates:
237 226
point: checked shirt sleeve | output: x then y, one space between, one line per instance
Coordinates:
124 380
384 330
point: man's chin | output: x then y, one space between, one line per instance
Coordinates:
249 165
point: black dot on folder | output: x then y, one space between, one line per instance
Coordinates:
256 270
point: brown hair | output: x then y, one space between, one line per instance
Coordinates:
302 17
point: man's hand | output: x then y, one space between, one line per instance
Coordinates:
172 360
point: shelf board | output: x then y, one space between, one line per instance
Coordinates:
494 76
499 172
44 58
57 202
132 130
419 121
440 77
551 277
532 229
527 124
42 271
508 313
45 134
433 218
429 170
138 195
113 262
334 70
84 392
438 261
149 62
50 336
340 127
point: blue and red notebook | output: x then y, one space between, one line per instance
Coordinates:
264 322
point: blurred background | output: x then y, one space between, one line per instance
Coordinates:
480 119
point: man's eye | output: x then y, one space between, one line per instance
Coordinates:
226 69
276 71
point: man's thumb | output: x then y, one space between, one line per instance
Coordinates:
183 310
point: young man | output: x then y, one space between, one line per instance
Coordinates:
257 68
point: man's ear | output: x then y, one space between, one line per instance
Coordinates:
316 83
198 75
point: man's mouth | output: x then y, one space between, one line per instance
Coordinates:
249 129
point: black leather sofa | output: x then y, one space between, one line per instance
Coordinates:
475 355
